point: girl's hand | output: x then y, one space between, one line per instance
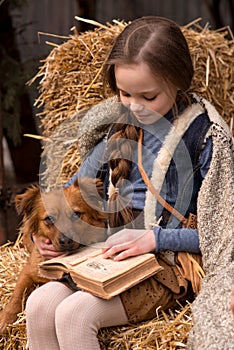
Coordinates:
46 248
129 242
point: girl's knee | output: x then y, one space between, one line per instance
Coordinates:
69 306
78 307
36 302
46 298
89 312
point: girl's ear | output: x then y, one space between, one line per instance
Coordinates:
24 203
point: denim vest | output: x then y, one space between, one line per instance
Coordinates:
183 179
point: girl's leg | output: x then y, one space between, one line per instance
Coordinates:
40 315
79 317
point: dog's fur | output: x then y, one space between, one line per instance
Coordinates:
68 217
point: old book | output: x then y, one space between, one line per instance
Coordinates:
102 277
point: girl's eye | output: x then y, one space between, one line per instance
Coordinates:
125 94
49 220
75 215
150 98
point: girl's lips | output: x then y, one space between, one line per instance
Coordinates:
148 118
141 116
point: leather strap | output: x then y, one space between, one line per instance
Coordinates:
151 187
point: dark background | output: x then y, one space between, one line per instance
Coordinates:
24 30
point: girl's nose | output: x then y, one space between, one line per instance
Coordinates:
135 107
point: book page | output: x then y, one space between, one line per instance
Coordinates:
82 254
100 269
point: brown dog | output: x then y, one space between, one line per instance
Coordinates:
68 217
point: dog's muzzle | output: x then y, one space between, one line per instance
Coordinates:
67 243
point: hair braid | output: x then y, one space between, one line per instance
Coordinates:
120 211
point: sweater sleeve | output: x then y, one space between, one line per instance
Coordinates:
176 240
92 164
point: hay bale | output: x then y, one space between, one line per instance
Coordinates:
71 82
71 75
12 259
166 331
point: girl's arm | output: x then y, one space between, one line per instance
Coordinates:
92 164
183 239
131 242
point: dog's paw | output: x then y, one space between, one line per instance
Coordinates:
5 320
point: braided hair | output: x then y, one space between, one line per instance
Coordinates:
120 150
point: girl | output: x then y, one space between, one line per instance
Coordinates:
152 161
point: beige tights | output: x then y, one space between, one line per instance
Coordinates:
60 319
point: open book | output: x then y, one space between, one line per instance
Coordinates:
102 277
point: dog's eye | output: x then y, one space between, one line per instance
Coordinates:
75 215
49 220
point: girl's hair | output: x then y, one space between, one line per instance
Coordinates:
159 43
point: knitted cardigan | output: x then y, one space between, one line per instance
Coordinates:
213 321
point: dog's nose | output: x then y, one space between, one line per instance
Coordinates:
65 241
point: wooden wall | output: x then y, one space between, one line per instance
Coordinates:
57 17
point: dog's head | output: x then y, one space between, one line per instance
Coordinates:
68 217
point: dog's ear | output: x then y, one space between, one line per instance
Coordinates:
90 188
24 202
88 184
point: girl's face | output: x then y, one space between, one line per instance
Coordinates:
147 97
